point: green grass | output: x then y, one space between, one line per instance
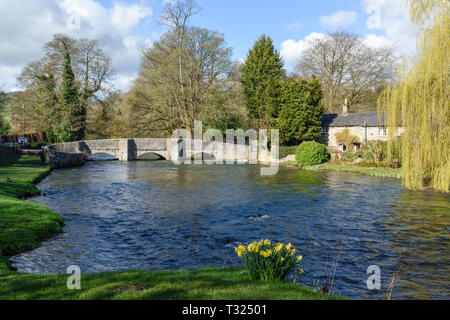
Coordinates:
23 225
369 171
201 284
23 172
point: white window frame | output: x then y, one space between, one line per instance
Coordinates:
382 131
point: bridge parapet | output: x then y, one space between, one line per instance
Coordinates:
122 149
169 149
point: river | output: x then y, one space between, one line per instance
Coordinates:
157 216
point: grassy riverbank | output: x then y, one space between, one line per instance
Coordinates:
202 284
368 171
341 167
23 225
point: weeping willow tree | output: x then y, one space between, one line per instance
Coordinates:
419 101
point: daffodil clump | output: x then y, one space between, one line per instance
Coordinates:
267 261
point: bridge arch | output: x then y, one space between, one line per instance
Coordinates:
151 156
102 156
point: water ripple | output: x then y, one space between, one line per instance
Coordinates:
154 215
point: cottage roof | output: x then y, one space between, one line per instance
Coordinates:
351 120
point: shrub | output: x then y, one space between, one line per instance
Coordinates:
365 156
266 261
348 156
287 151
346 138
380 152
311 153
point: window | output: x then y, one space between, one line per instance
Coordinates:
325 130
382 131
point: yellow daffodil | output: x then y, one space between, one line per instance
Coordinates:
264 248
240 250
279 247
253 247
256 246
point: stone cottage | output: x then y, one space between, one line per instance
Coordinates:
365 125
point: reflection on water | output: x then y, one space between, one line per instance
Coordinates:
155 215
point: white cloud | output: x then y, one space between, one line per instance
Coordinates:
292 50
374 41
296 25
9 75
27 24
117 20
125 81
393 20
390 25
339 19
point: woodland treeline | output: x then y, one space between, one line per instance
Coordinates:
187 75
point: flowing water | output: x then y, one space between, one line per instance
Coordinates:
155 215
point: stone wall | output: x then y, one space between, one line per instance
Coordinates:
63 159
146 144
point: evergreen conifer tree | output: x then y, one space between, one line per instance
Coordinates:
260 72
74 127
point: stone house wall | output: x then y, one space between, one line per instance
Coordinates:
373 134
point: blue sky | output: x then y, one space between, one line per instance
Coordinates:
243 21
125 26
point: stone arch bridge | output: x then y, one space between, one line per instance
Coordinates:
73 153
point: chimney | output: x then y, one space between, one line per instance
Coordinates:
345 108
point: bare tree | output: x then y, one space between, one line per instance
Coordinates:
176 15
92 67
108 118
95 65
348 68
43 79
181 74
